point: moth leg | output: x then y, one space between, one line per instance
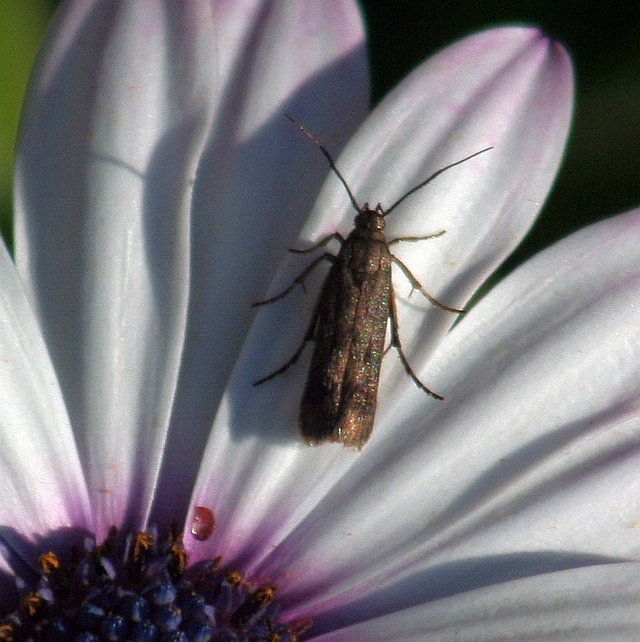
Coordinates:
336 235
418 286
395 341
308 336
417 238
299 279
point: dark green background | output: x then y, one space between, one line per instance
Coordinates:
600 176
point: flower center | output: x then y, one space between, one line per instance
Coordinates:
138 588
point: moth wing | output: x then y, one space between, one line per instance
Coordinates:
321 401
339 401
360 385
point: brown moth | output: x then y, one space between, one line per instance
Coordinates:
349 322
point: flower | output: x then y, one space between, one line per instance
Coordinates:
158 187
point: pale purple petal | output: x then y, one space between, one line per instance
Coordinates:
584 604
41 479
509 88
544 377
253 192
117 112
517 77
534 453
129 167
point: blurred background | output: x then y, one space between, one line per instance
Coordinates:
601 172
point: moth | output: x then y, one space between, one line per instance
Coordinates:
349 322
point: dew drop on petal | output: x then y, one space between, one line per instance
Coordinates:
203 523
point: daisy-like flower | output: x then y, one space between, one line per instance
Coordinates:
151 492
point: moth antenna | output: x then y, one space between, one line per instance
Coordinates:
428 180
327 155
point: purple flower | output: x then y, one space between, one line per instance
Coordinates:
158 187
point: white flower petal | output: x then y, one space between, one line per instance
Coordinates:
486 205
117 113
254 189
510 88
41 480
544 377
255 453
536 448
120 162
585 604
